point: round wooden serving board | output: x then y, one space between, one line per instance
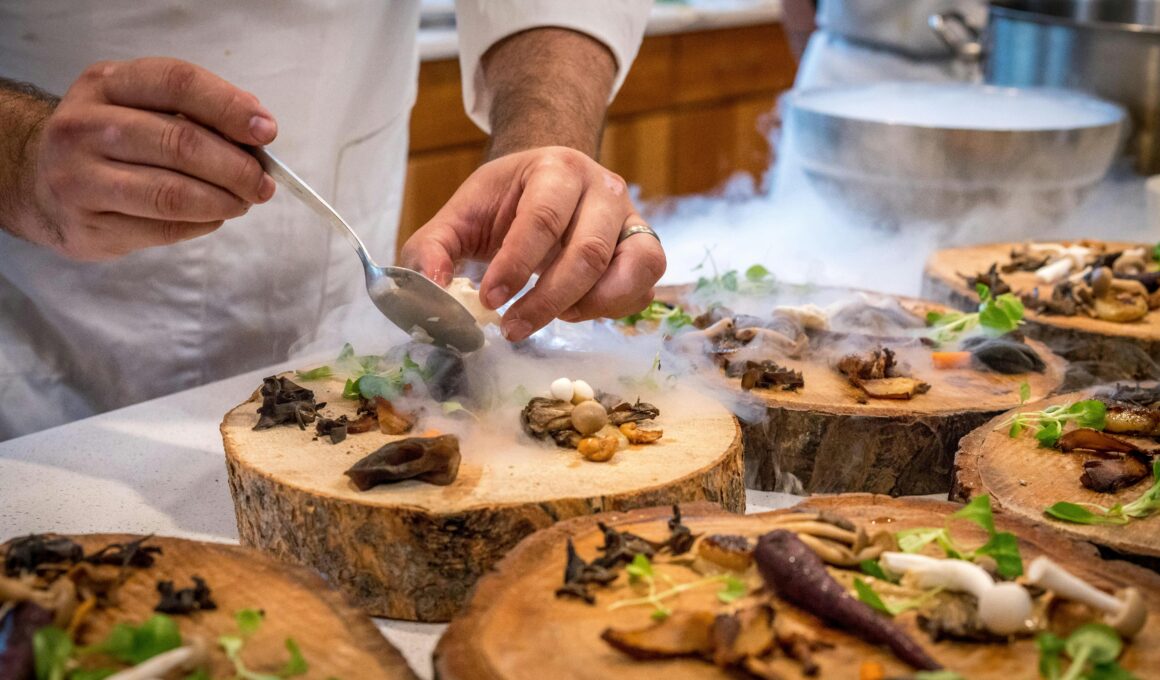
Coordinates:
1108 350
1024 479
414 551
336 639
820 439
514 628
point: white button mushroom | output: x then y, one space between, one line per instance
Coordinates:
562 389
1126 613
582 391
1003 607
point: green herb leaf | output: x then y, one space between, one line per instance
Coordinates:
756 273
249 620
913 540
639 568
979 512
1024 394
734 589
867 595
729 281
296 665
1050 655
1149 501
51 650
1077 514
315 374
199 674
1003 547
350 390
1101 642
873 568
660 614
134 644
1156 252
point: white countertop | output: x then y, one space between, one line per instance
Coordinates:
441 42
159 467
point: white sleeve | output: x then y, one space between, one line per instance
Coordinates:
619 24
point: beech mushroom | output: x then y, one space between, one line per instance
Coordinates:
588 417
1127 613
1070 258
1101 281
1130 262
1004 608
185 658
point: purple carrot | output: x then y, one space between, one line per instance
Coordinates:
16 631
798 576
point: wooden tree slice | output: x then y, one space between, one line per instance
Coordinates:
1024 479
821 439
412 550
1103 350
336 639
515 629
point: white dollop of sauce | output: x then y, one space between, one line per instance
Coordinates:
468 296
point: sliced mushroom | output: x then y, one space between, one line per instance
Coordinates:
639 435
434 460
728 551
599 449
684 633
625 412
747 633
893 388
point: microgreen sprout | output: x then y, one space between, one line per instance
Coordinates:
1047 425
641 571
996 315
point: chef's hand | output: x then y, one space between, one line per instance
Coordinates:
552 211
137 154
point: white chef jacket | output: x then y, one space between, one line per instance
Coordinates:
340 77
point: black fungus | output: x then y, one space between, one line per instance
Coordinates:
620 547
991 279
131 554
681 538
1004 355
285 403
186 600
578 574
434 460
27 553
334 428
765 375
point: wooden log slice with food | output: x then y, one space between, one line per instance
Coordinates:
732 617
282 605
413 550
1099 345
827 436
1026 478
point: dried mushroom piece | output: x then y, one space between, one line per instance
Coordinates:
1105 475
991 279
131 554
391 420
684 633
434 460
876 375
636 434
728 551
578 575
681 538
27 554
285 403
625 412
186 600
333 428
745 634
765 375
620 547
543 416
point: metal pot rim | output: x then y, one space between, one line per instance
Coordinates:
1117 114
1012 9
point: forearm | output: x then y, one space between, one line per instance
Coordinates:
550 87
23 110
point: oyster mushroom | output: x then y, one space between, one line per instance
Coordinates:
699 340
625 412
1126 611
434 460
1131 262
542 417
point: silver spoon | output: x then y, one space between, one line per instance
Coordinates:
403 295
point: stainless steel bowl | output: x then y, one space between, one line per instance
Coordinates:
898 152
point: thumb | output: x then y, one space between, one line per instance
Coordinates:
429 257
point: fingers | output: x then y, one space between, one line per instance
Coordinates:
582 261
159 194
543 215
627 286
172 142
174 86
109 235
432 251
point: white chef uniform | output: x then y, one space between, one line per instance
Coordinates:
340 76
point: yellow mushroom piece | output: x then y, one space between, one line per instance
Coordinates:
637 435
598 449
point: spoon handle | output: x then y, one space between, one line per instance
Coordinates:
302 191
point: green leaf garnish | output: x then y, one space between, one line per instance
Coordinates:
51 651
671 316
1047 425
1079 513
1092 649
296 664
319 373
134 644
996 315
873 568
867 595
1024 392
890 608
1002 546
733 590
639 568
757 273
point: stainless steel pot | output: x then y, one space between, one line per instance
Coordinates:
900 152
898 26
1110 48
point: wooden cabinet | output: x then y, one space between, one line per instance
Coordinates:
695 109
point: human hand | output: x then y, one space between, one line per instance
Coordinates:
139 154
552 211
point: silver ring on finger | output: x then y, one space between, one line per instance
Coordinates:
635 229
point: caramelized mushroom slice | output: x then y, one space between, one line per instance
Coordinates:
743 634
434 460
638 435
893 388
728 551
391 420
683 633
1093 440
1108 475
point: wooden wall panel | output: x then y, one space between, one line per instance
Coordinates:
694 110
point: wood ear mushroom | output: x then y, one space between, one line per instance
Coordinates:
434 460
